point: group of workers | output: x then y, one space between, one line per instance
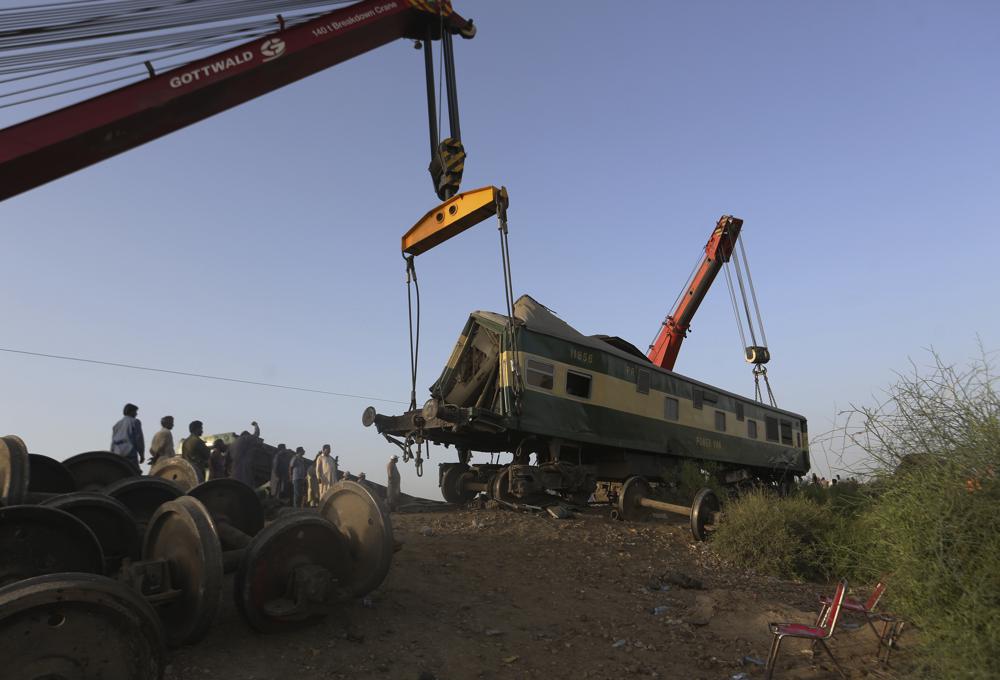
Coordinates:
216 461
294 478
300 480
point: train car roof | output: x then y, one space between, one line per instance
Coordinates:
538 318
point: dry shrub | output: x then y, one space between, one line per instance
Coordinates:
777 536
934 530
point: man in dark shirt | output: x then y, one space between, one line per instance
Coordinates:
126 436
195 451
298 468
279 472
242 454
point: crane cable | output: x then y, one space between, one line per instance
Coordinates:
756 354
414 330
34 45
684 289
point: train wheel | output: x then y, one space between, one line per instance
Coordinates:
453 484
633 491
500 487
704 514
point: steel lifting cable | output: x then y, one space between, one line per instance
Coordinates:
743 296
735 306
41 59
93 74
687 285
510 370
87 86
163 53
759 370
753 292
31 42
411 277
38 28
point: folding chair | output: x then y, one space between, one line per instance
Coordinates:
866 609
820 633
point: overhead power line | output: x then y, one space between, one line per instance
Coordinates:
197 375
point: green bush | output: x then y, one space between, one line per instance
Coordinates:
927 520
934 530
778 536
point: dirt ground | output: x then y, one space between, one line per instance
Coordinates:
498 594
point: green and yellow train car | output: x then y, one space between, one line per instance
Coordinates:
585 413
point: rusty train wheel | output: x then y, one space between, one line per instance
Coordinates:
364 520
500 486
181 532
452 483
95 470
703 509
269 565
38 540
177 470
109 519
14 470
233 502
633 490
48 475
79 627
143 496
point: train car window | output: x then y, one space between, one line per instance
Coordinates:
802 426
786 433
739 410
698 397
710 397
720 421
578 384
642 382
540 374
771 429
752 429
798 440
671 409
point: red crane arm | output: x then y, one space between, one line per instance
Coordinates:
53 145
718 250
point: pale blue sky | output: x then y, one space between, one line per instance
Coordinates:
857 140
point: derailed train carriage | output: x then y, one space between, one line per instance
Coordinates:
592 410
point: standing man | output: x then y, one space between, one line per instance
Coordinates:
194 450
126 436
312 483
326 471
242 455
392 489
279 472
297 469
163 441
218 460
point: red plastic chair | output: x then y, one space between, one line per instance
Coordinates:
866 609
820 633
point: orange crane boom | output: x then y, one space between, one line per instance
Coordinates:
718 250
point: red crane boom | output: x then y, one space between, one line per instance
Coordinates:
718 250
53 145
